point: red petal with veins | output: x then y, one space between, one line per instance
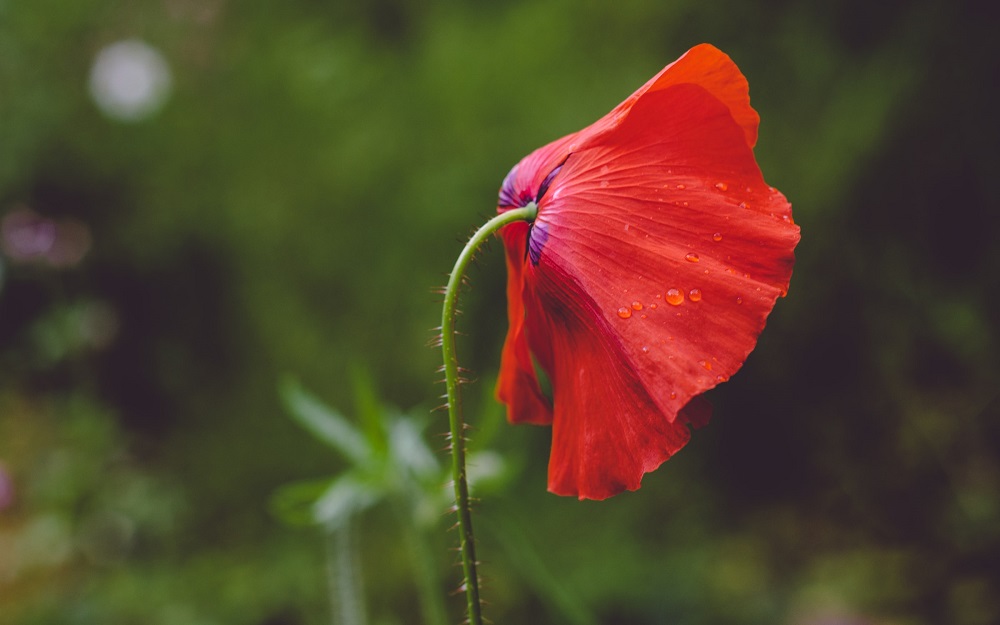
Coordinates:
659 253
517 385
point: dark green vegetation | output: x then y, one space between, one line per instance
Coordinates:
306 184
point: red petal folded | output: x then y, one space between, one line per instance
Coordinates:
606 431
705 66
518 386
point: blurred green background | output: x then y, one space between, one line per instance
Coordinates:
247 190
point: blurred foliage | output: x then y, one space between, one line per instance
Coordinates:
303 182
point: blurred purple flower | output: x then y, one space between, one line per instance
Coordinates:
26 236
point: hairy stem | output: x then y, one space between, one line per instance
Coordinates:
455 417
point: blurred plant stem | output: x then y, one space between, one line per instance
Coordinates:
425 570
344 571
455 417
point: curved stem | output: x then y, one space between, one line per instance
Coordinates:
455 417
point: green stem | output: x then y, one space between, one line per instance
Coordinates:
455 417
344 569
432 607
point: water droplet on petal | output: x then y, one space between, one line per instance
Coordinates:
604 184
645 349
681 186
744 205
637 305
721 186
694 295
691 257
673 395
739 300
652 306
717 237
674 297
707 365
624 312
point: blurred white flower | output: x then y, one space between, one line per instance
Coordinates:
129 80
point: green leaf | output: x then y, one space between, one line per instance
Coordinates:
293 503
410 452
369 409
325 424
346 496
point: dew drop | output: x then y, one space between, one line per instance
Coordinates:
604 184
624 312
681 186
739 300
684 204
707 365
691 257
695 295
643 316
645 349
717 237
652 306
674 297
604 170
743 205
636 305
721 186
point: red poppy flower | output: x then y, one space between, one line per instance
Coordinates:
646 277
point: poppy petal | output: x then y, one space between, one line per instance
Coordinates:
607 431
657 253
517 385
711 69
705 66
668 219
